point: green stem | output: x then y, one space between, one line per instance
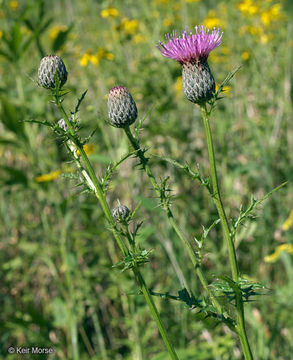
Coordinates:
73 326
155 313
95 184
240 327
171 219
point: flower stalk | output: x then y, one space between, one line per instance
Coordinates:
167 210
240 326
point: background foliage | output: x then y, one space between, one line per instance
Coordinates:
56 253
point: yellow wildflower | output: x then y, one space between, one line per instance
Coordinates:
192 1
83 60
281 248
276 9
264 38
129 27
178 87
138 38
13 4
255 30
272 14
266 17
48 177
109 56
248 7
88 148
54 31
288 222
89 57
110 12
226 89
1 34
213 21
245 55
94 59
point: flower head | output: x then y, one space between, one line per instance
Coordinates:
191 51
188 47
120 213
48 177
50 65
122 109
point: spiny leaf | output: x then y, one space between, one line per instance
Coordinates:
46 123
80 100
248 213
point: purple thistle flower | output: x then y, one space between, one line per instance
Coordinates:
188 46
192 51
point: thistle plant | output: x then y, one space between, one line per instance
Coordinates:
192 51
52 75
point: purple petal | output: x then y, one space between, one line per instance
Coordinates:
188 46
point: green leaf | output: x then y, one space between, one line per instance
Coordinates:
10 117
16 40
79 101
61 39
248 213
6 141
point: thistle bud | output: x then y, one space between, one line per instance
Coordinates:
48 67
198 81
122 109
120 213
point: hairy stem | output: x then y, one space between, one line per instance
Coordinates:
240 327
94 183
166 208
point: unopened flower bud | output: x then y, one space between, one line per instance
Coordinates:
122 110
120 213
48 67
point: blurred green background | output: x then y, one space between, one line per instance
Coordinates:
55 251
